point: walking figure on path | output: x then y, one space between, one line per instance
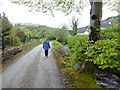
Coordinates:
46 47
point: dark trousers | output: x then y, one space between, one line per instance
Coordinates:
46 53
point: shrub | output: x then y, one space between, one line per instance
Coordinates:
105 51
109 33
58 49
16 41
77 45
61 34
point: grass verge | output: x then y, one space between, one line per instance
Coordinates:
74 78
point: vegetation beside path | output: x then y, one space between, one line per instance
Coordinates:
103 53
74 79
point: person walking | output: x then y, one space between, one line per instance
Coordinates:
46 47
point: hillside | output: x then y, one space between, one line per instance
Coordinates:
110 21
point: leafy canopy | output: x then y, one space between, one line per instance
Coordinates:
49 6
66 6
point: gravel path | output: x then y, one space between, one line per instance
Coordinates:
32 70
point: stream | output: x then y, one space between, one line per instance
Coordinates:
107 80
103 78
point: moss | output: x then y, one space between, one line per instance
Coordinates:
80 80
77 79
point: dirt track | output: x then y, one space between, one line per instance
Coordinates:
32 70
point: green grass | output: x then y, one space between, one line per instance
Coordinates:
76 79
30 45
80 80
27 46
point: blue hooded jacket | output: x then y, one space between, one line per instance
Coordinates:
46 45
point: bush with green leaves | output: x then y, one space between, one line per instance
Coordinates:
58 49
77 45
61 34
15 41
50 34
5 30
109 33
105 52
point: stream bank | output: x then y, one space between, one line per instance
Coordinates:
107 79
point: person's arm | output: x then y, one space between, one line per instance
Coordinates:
43 44
48 44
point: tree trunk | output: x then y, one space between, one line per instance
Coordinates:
94 29
95 20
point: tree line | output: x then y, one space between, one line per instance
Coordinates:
14 35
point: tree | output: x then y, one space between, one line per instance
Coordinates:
6 27
0 32
68 6
61 34
28 33
15 41
48 6
21 35
95 20
114 5
94 28
74 25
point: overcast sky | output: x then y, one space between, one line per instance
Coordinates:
20 14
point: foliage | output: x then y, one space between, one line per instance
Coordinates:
60 53
58 49
51 33
110 33
66 6
113 4
39 31
75 79
77 45
61 34
14 35
56 43
28 34
21 35
104 52
16 41
6 28
74 26
30 45
79 80
6 25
